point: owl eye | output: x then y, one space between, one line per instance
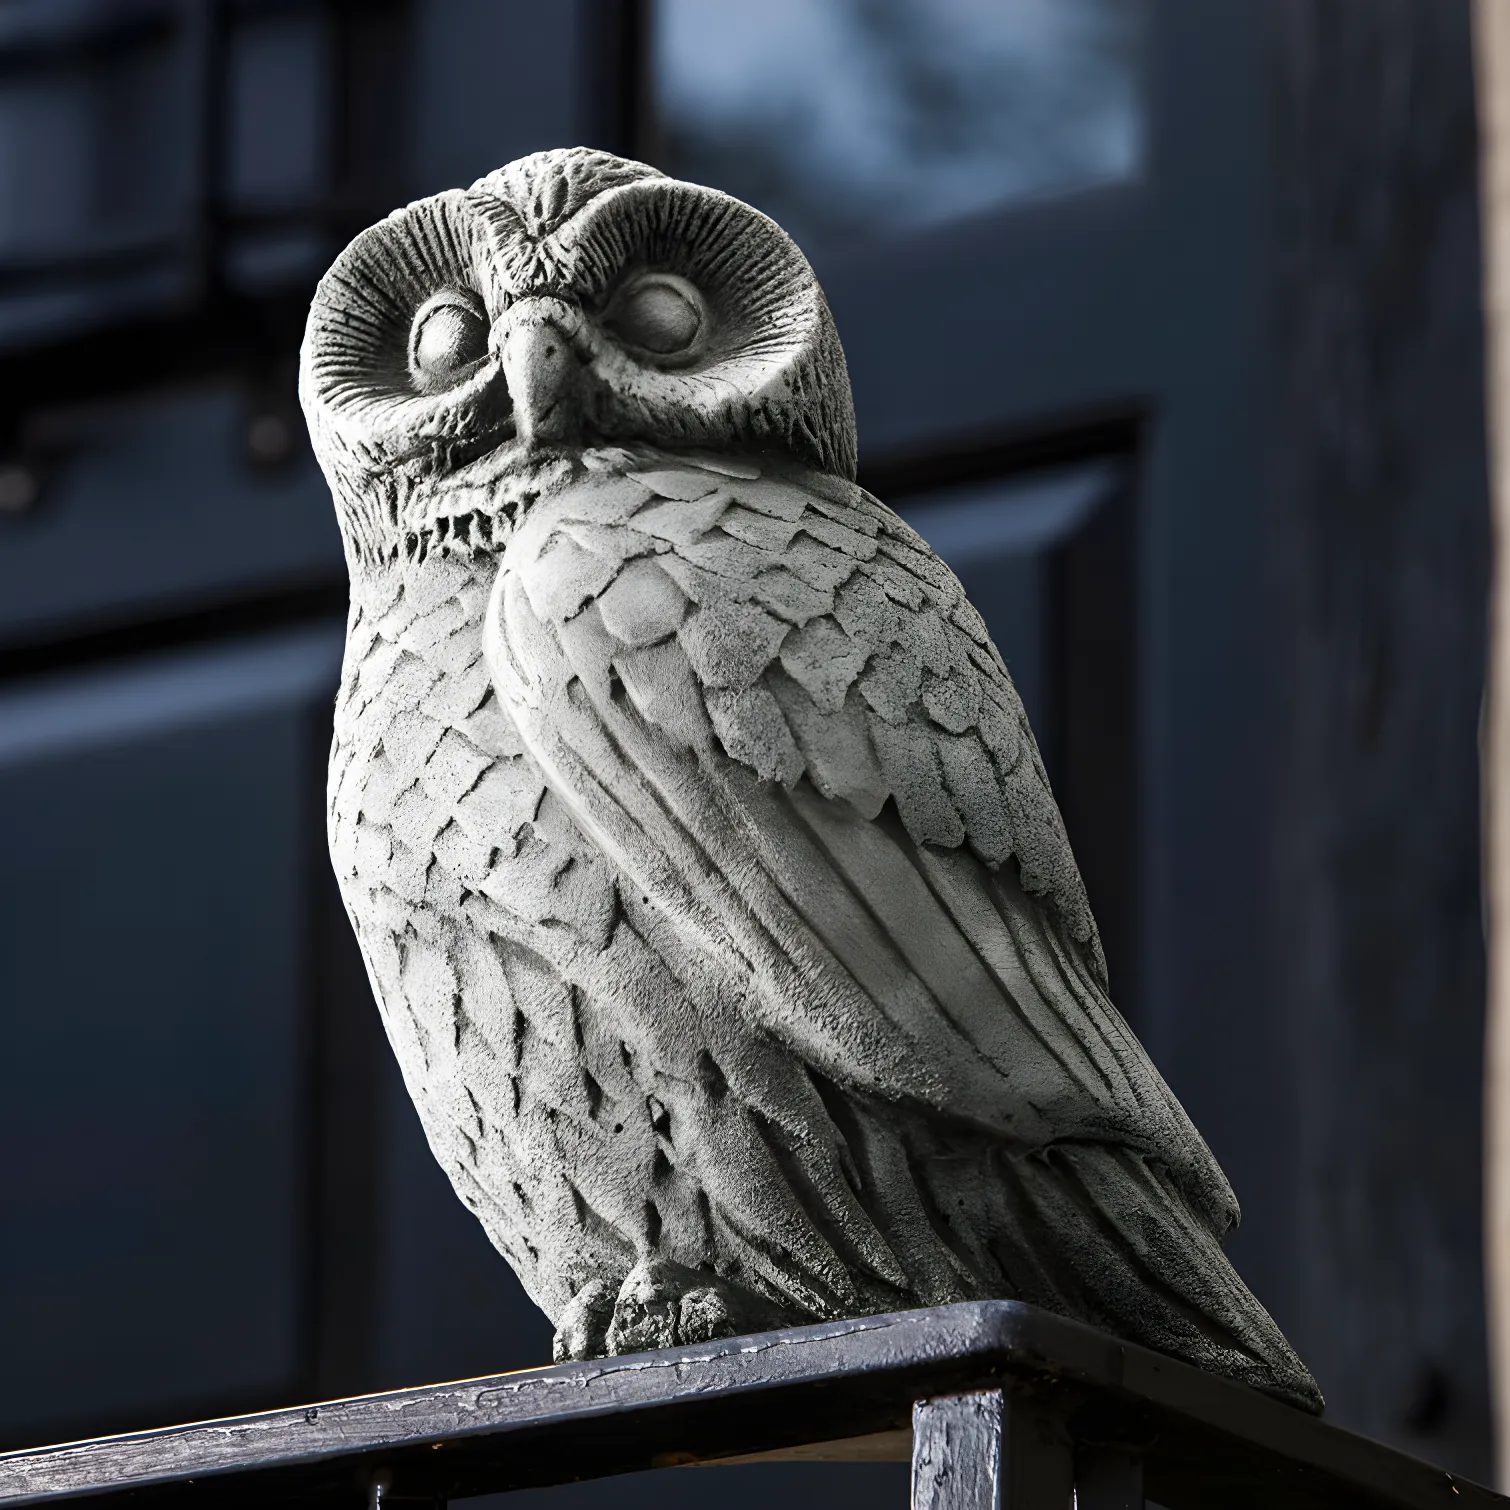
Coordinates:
659 313
449 337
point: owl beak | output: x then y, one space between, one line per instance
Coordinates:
541 369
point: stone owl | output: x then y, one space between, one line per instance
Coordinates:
702 859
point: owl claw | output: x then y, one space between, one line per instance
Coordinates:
704 1314
580 1332
664 1304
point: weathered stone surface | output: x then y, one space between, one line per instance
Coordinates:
726 931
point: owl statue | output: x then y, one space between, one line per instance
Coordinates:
703 862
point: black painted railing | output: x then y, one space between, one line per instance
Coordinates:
996 1404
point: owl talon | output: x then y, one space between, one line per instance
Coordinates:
664 1304
645 1314
704 1315
580 1333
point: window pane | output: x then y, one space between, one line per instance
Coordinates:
278 76
999 537
92 153
98 170
848 118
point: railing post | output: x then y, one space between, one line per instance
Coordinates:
988 1451
1108 1478
381 1496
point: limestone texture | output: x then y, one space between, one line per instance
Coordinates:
711 888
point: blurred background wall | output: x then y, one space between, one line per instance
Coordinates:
1163 322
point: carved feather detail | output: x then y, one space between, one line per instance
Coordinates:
711 888
881 878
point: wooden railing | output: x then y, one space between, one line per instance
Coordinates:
996 1404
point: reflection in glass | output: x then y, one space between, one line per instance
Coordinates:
843 118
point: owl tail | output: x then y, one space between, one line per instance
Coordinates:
1097 1232
1102 1234
1130 1251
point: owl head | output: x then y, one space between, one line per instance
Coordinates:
464 348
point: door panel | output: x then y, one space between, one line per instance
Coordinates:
156 507
155 844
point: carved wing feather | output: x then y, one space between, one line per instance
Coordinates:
773 707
